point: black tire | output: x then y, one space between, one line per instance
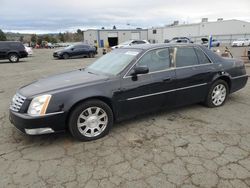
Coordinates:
13 57
65 56
91 55
79 109
209 101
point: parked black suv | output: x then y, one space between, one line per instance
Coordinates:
77 50
12 51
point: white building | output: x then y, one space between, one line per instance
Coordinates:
104 37
223 30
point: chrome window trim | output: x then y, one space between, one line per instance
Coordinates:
197 47
128 76
162 92
174 65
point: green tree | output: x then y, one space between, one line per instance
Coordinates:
39 40
61 37
53 40
21 38
2 36
47 38
79 32
33 38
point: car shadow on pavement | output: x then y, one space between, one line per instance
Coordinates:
8 62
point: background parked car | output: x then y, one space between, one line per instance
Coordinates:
130 43
12 51
166 41
181 40
241 42
248 53
29 50
215 42
77 50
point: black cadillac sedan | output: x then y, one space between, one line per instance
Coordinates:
124 83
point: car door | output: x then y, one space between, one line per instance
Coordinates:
193 74
4 48
84 50
78 50
148 92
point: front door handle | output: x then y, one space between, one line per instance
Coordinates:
167 79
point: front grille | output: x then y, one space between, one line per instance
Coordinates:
17 102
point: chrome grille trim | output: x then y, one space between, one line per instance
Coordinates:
17 102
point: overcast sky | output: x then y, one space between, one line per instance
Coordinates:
42 16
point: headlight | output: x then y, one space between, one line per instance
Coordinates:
38 105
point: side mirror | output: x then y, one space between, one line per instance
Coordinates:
140 70
72 49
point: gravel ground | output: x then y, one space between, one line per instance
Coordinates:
192 146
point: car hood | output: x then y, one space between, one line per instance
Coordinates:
61 81
60 50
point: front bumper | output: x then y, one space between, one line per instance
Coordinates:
30 125
56 55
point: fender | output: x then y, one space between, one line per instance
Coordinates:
221 74
13 51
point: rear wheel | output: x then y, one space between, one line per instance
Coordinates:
91 55
13 57
90 120
65 56
217 94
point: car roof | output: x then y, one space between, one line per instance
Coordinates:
152 46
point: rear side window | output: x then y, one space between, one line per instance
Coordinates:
203 59
15 45
185 56
140 42
2 45
156 60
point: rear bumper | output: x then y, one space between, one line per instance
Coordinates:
38 125
23 54
238 83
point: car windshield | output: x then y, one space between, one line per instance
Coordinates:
126 42
114 62
69 47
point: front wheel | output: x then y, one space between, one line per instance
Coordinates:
65 56
218 94
90 120
14 58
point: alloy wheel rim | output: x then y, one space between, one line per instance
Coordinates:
92 121
13 58
219 94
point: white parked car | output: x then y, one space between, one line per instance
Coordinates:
29 50
130 43
241 42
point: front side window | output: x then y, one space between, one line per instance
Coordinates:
203 59
155 60
185 56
